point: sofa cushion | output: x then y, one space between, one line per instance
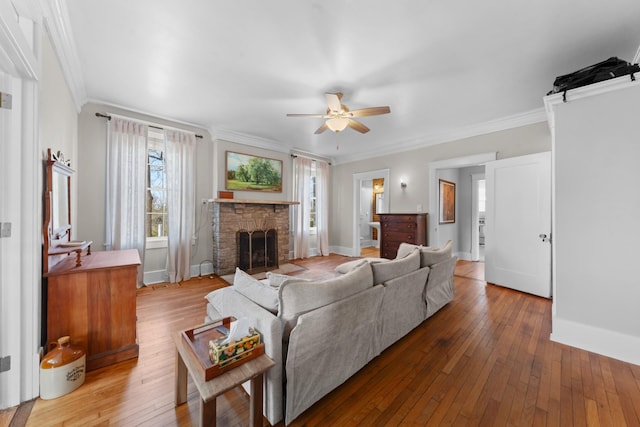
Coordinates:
263 295
431 256
405 249
275 279
398 267
299 297
346 267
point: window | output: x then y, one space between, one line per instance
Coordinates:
313 199
482 195
156 222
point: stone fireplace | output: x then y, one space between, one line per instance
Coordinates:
256 229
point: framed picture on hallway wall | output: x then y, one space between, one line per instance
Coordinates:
447 202
245 172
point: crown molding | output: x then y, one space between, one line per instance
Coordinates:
56 22
552 101
149 116
517 120
251 140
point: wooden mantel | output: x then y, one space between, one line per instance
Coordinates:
256 202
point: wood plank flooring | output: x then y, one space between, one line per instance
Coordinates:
484 359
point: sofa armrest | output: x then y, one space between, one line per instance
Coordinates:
228 302
440 290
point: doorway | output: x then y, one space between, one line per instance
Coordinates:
478 208
466 230
370 199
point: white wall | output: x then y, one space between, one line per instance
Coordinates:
597 222
413 166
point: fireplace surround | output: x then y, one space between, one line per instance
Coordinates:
231 217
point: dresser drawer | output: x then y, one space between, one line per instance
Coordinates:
397 237
399 226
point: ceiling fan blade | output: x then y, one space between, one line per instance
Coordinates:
357 126
371 111
333 101
322 116
321 128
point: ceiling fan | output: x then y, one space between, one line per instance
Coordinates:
339 117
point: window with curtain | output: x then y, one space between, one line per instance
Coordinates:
151 193
310 216
156 221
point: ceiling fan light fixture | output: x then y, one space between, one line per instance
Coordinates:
337 124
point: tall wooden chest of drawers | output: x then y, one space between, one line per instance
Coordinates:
398 228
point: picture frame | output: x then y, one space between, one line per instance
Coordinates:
246 172
447 202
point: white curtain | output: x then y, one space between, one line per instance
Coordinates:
322 208
180 166
126 187
301 190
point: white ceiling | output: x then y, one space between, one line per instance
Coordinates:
447 69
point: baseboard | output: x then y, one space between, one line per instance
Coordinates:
605 342
341 250
160 276
465 256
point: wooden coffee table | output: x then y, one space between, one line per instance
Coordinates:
252 370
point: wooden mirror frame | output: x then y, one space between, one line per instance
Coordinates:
55 168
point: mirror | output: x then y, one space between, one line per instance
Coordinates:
60 218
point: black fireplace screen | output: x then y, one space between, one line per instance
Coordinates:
257 250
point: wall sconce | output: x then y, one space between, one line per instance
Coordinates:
403 184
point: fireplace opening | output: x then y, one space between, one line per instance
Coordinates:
257 250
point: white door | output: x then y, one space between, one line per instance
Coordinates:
518 223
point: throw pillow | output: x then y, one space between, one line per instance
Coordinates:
395 268
275 280
431 256
405 249
263 295
350 265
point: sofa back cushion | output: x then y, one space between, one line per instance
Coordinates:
405 249
384 271
430 256
299 297
263 295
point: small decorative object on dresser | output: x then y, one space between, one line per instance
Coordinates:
399 228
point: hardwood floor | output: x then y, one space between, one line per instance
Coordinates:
484 359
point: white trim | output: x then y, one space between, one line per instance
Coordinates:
161 276
131 110
458 162
357 182
509 122
551 101
251 140
636 57
341 250
15 46
56 21
602 341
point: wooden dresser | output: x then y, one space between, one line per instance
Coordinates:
398 228
95 304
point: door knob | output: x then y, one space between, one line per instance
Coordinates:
545 238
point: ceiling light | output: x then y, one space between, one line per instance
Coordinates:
337 124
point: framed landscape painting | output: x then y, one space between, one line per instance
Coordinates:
447 202
245 172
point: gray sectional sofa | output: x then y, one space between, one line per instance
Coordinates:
308 325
